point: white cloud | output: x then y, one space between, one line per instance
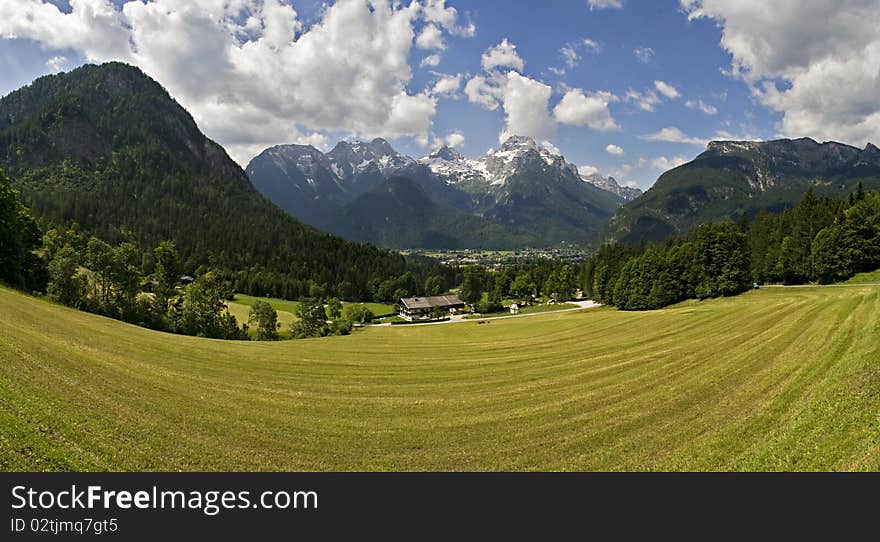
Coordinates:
480 91
430 60
616 150
644 54
431 37
672 134
240 63
579 109
664 164
455 139
447 85
826 54
56 63
591 45
644 100
667 90
700 105
436 11
526 103
569 56
604 4
503 55
586 171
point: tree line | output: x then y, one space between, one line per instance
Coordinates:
820 240
152 288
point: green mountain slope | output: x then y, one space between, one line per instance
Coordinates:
398 213
733 178
107 147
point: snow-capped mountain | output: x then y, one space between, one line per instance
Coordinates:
523 194
610 184
312 185
496 166
350 159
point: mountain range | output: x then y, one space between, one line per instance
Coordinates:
735 178
107 148
521 194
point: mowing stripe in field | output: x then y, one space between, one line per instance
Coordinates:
781 378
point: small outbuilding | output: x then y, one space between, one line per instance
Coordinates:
514 309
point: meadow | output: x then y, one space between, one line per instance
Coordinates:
775 379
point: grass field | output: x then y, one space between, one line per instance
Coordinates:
778 379
242 312
283 305
866 278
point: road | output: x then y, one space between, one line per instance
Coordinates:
460 318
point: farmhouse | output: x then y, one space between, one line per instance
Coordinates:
424 308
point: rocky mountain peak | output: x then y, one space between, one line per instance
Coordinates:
516 142
611 185
446 153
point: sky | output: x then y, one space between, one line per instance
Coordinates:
628 88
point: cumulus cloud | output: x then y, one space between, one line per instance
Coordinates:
503 55
586 171
672 134
616 150
453 140
667 90
815 62
526 101
526 104
431 37
700 105
430 60
664 164
644 54
447 85
56 63
604 4
579 109
241 63
436 11
480 91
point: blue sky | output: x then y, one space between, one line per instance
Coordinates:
649 82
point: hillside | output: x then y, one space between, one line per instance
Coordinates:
520 195
106 147
778 379
733 178
399 214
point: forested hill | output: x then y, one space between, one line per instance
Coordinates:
108 148
735 178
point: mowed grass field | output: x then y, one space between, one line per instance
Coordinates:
776 379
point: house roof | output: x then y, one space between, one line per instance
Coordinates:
432 301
